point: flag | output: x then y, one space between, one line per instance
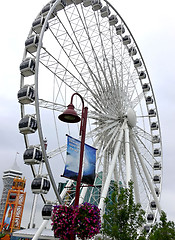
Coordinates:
73 159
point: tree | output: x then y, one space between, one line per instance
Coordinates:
163 230
123 218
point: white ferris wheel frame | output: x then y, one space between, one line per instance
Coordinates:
126 133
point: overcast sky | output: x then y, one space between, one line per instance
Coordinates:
152 24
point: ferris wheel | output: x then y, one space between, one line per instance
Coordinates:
85 46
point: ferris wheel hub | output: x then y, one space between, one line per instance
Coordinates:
131 116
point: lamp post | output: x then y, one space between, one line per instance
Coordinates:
70 116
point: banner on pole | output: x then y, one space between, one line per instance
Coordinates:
73 159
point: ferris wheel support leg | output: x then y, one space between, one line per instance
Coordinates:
32 217
83 193
40 229
134 176
127 156
146 175
64 191
111 169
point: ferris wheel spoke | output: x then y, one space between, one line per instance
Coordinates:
141 180
85 56
111 168
137 100
135 180
143 134
147 175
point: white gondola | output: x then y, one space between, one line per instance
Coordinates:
126 40
150 217
40 185
156 139
105 11
87 3
46 9
32 155
156 179
142 75
157 191
145 87
62 4
113 20
69 2
28 124
27 67
31 43
96 5
153 205
154 126
152 113
147 228
149 100
137 63
157 166
47 211
132 51
26 94
38 24
120 30
157 152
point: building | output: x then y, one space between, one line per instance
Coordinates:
7 178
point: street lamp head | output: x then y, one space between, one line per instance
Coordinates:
69 115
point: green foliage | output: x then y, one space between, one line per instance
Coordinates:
123 217
163 230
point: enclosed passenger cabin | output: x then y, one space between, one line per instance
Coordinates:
145 87
137 63
149 100
46 9
157 166
152 113
31 43
27 67
38 24
126 40
96 5
156 179
147 228
153 205
87 3
113 20
142 75
105 11
157 191
28 124
132 51
156 139
47 211
150 217
157 152
120 29
40 185
62 4
26 94
154 126
32 155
